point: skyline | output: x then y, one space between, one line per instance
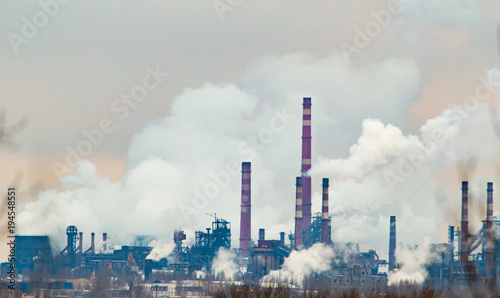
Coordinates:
227 79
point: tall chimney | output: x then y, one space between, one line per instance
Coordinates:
298 213
104 238
282 239
246 204
325 219
490 243
80 243
92 243
306 165
392 244
464 239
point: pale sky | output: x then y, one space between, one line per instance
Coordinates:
66 76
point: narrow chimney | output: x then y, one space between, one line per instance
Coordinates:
262 234
246 204
451 241
282 239
325 219
104 238
92 243
306 165
464 239
490 243
80 244
298 213
392 244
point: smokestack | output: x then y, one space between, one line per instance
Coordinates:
325 220
92 243
451 241
392 244
490 244
282 239
262 234
464 239
148 269
80 243
246 204
306 165
298 213
104 238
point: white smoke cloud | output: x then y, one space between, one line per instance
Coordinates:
224 264
412 261
161 249
317 258
188 163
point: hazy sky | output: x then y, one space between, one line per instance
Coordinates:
246 63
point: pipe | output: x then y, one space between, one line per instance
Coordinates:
246 204
306 165
392 244
298 214
325 219
464 239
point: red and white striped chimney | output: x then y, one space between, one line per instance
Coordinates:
464 238
325 218
246 204
306 165
298 213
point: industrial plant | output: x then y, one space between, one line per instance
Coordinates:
466 261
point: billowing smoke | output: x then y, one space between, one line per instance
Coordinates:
107 247
412 261
224 264
188 163
317 258
161 249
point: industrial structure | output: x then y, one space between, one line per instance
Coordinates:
256 259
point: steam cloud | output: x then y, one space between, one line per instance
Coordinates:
224 264
412 263
317 258
161 249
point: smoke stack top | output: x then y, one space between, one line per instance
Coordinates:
246 212
306 164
